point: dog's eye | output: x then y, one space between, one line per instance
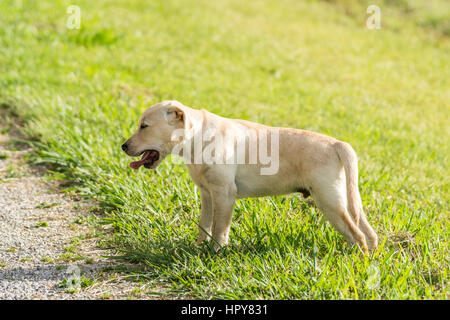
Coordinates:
143 126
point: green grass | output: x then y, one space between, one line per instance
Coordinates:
48 260
3 156
45 205
73 284
42 224
304 64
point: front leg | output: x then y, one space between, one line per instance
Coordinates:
206 217
223 204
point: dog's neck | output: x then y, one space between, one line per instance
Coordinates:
193 118
194 123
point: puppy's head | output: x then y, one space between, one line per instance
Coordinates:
152 139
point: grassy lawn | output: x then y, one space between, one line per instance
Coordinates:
305 64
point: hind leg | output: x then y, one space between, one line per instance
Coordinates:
371 236
331 201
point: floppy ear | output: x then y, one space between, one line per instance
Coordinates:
174 115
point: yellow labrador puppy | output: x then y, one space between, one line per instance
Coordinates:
229 159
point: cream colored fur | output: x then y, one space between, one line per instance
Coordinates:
309 162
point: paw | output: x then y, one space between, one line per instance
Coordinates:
201 242
219 244
202 239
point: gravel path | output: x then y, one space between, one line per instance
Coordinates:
47 249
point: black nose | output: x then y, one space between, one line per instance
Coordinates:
125 147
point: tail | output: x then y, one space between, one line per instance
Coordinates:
349 160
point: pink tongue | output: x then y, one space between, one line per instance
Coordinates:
137 164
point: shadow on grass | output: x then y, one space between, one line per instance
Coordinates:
163 255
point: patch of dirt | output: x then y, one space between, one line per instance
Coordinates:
48 242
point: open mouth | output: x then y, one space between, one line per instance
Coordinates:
149 157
